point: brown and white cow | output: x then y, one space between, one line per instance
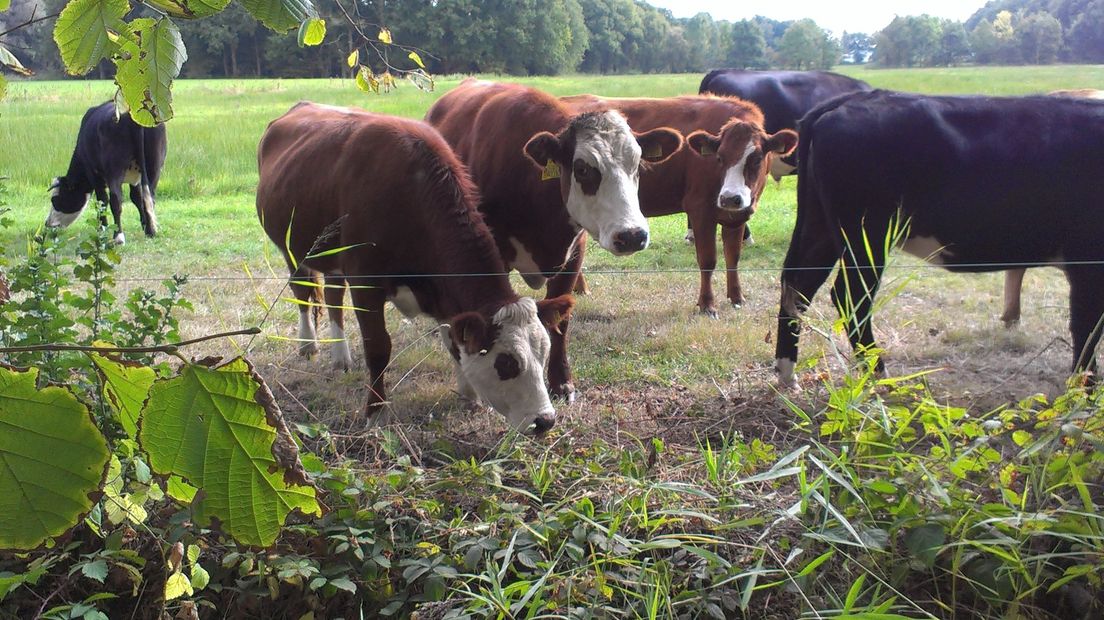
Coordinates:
393 192
1013 278
545 175
718 180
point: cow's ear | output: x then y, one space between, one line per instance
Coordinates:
56 183
703 143
544 150
659 144
783 142
468 331
552 312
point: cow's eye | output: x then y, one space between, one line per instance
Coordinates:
583 170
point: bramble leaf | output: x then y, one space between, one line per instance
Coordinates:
220 430
52 458
84 31
152 53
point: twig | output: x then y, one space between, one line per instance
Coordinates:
31 21
165 348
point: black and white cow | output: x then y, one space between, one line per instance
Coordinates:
110 151
980 182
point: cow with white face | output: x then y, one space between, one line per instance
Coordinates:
545 175
742 150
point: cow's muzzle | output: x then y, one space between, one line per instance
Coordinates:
630 240
542 423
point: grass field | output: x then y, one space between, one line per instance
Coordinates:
637 327
646 364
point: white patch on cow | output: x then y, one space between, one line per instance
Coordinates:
524 398
57 219
615 207
405 300
779 168
735 185
339 353
308 338
927 248
147 206
55 187
132 175
120 238
525 264
785 368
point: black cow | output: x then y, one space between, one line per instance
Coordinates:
110 151
978 183
783 96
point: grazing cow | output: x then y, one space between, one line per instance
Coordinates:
545 175
392 192
1013 278
111 150
978 182
783 96
718 180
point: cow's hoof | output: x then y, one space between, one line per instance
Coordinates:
120 239
749 240
308 349
689 236
565 392
709 312
737 304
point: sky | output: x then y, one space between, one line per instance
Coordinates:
867 16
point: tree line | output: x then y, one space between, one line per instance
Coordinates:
547 37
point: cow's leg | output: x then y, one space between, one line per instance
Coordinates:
857 283
301 287
115 200
335 300
732 238
101 197
808 263
560 383
705 246
1086 313
142 197
689 231
368 302
1013 287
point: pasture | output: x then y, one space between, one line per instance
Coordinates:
646 365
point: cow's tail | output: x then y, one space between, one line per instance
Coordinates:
704 87
149 217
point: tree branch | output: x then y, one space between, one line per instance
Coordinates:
33 20
165 348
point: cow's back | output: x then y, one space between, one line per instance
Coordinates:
784 96
390 186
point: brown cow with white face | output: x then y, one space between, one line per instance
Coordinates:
717 180
392 192
546 174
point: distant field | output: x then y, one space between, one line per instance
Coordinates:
637 329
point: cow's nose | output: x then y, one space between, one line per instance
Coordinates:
731 202
543 423
631 240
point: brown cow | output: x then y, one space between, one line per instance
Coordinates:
392 192
718 180
545 175
1013 278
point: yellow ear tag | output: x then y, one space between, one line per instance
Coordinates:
551 171
655 151
707 149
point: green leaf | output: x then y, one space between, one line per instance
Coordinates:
925 542
5 5
9 60
188 9
343 583
177 585
416 58
200 577
52 457
151 58
97 570
3 87
312 31
280 15
84 32
365 81
353 58
125 386
220 429
180 490
384 36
